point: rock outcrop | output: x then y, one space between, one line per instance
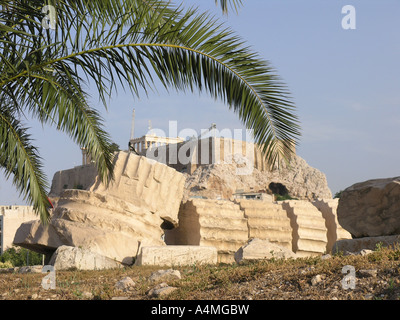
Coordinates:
222 181
371 208
113 220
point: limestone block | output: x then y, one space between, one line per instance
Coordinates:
258 249
267 220
309 233
215 223
176 255
328 208
114 219
369 243
102 224
66 257
371 208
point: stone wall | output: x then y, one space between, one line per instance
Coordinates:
13 217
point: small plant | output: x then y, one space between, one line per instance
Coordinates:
379 246
279 197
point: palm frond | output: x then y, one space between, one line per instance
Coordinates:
130 43
20 159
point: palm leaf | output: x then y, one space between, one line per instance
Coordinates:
130 43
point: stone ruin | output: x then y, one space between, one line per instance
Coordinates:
143 210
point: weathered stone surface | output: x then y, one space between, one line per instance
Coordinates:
138 180
309 233
359 244
66 257
267 220
112 220
328 208
215 223
371 208
221 180
257 249
176 255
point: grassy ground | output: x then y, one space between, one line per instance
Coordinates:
300 279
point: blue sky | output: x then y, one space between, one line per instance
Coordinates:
345 84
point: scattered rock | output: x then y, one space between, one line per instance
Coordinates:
161 290
125 284
365 252
326 256
30 269
317 279
165 275
368 273
119 298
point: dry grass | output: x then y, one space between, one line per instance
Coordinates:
261 280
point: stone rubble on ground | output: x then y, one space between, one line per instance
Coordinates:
125 284
165 275
161 290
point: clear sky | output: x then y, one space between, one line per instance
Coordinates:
345 84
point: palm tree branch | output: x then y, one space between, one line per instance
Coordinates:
19 158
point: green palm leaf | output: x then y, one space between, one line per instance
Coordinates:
45 73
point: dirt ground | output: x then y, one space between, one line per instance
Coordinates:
375 276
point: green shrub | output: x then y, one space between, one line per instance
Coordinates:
284 197
19 257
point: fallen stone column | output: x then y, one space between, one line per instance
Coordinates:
267 221
215 223
309 233
112 219
328 208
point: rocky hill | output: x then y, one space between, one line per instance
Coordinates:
222 180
